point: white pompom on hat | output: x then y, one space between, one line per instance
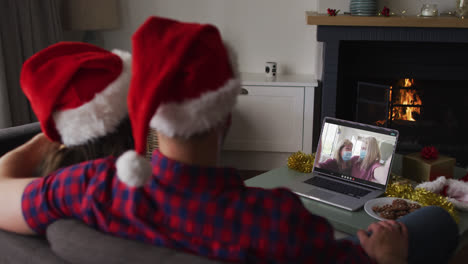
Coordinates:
182 84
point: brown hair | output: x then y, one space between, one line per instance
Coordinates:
112 144
338 157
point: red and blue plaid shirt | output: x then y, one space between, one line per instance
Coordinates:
207 211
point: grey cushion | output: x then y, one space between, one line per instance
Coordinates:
77 243
12 137
16 249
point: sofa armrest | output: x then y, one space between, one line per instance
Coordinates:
13 137
80 244
23 249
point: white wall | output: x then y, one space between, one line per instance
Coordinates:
412 7
259 30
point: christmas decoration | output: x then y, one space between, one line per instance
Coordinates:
332 12
429 153
456 191
385 12
420 169
301 162
422 196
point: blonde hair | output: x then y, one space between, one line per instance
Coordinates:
373 153
337 155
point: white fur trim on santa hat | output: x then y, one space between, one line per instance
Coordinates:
457 191
197 115
132 169
101 115
435 186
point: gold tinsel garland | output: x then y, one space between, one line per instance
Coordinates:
301 162
422 196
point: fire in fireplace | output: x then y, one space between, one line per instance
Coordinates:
405 102
425 112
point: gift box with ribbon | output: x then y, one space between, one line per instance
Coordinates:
422 167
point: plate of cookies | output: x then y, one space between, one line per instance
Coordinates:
390 208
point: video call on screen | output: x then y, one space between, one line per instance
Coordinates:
358 147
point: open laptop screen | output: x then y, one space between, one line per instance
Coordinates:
356 152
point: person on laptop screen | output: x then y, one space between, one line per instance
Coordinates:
371 164
341 161
363 166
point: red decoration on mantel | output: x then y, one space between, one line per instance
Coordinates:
385 11
429 153
332 12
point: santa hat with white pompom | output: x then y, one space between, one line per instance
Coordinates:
183 84
78 91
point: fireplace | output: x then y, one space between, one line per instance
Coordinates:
414 80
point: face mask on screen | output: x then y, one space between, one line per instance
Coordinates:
346 155
363 154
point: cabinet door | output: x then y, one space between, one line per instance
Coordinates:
267 118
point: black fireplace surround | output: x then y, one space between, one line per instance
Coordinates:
435 58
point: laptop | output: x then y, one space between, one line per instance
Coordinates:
349 184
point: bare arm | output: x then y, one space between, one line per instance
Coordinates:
17 169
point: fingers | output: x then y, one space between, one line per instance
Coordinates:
388 225
404 230
362 236
391 225
374 227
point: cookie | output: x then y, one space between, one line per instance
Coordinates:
414 206
400 205
388 215
401 213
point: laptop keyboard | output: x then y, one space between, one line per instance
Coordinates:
337 187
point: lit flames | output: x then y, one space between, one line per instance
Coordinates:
406 97
408 82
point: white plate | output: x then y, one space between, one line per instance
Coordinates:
379 202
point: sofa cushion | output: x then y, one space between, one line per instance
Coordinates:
12 137
78 243
16 249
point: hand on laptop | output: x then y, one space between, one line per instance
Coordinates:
388 242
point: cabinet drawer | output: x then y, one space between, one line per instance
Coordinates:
267 118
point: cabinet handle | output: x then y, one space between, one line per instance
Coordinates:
244 91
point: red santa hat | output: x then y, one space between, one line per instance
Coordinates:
78 91
456 191
182 84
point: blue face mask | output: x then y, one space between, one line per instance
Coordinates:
363 153
346 155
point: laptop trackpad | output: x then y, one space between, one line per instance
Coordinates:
321 194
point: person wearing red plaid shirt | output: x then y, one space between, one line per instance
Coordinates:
184 87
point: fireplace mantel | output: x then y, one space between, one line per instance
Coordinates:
379 21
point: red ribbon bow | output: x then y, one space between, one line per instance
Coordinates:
429 153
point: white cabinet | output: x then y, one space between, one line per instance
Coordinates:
270 121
